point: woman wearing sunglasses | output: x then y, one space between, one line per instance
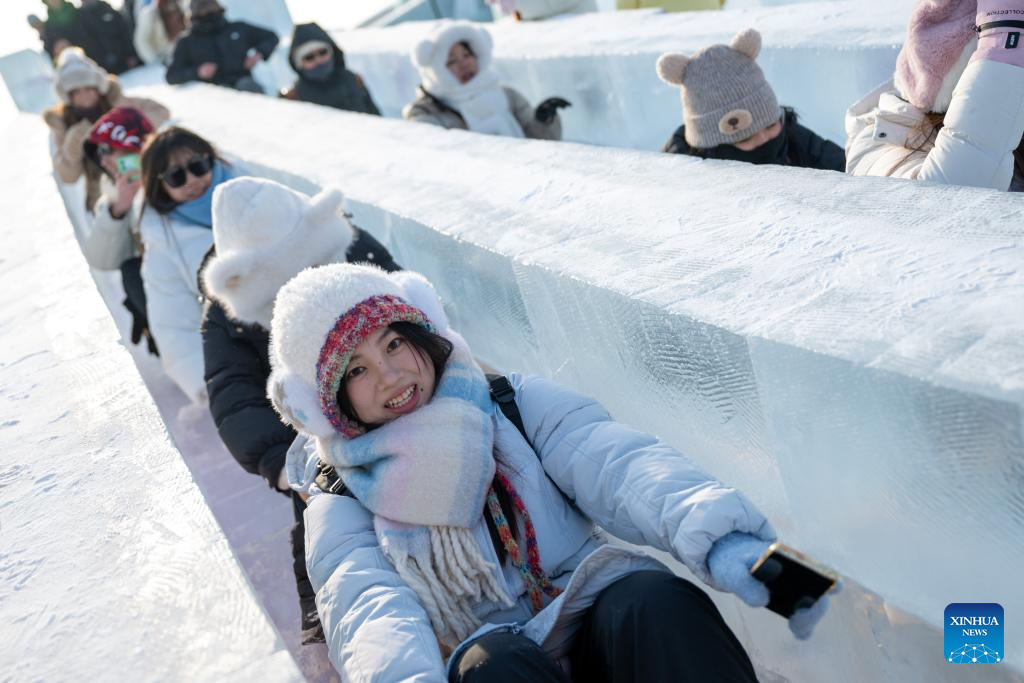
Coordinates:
323 78
180 171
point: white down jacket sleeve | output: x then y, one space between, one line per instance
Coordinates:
376 629
983 126
630 483
169 275
107 243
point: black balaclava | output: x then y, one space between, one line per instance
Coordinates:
775 151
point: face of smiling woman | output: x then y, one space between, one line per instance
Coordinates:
387 377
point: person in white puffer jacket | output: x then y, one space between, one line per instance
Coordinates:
954 113
439 528
180 171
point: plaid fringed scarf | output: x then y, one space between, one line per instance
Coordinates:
426 476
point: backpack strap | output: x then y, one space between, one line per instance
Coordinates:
504 395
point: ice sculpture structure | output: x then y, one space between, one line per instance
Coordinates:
847 351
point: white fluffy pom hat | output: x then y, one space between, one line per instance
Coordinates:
320 317
265 234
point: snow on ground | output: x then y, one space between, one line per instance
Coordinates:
819 57
112 567
847 351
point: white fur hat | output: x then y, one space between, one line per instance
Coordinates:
319 318
265 234
430 56
75 70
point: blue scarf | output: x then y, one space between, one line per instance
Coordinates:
200 211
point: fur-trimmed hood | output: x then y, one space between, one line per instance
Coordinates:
431 54
265 234
54 116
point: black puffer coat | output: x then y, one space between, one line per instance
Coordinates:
227 46
342 89
104 35
805 148
237 366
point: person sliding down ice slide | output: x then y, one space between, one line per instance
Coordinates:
218 51
461 537
954 112
460 89
264 234
730 110
180 171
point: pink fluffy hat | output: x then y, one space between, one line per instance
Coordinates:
940 41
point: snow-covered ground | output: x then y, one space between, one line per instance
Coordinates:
112 567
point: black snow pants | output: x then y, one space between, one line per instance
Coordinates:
307 595
649 627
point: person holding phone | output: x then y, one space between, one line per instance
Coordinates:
460 525
111 240
180 171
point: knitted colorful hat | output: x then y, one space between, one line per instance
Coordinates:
940 42
121 128
431 54
265 234
200 6
75 70
320 317
725 96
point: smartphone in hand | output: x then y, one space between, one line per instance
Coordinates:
794 580
130 165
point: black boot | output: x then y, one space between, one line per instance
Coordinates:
312 629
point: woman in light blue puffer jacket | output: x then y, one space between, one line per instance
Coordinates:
459 538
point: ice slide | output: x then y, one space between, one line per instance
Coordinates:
847 351
820 57
112 567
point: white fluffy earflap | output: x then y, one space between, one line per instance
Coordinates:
325 205
421 294
423 54
747 42
221 275
298 404
672 68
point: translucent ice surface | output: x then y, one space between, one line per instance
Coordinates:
847 351
819 57
112 567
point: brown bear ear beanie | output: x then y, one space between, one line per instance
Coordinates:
725 96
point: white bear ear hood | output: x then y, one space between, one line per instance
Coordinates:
265 234
430 56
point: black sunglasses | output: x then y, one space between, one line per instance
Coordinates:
177 176
316 54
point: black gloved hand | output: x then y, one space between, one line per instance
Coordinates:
547 109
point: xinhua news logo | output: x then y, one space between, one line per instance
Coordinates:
974 633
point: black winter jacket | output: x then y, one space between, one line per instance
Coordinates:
104 35
237 366
806 149
342 90
227 47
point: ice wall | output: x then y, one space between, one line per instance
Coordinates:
820 58
847 351
112 567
